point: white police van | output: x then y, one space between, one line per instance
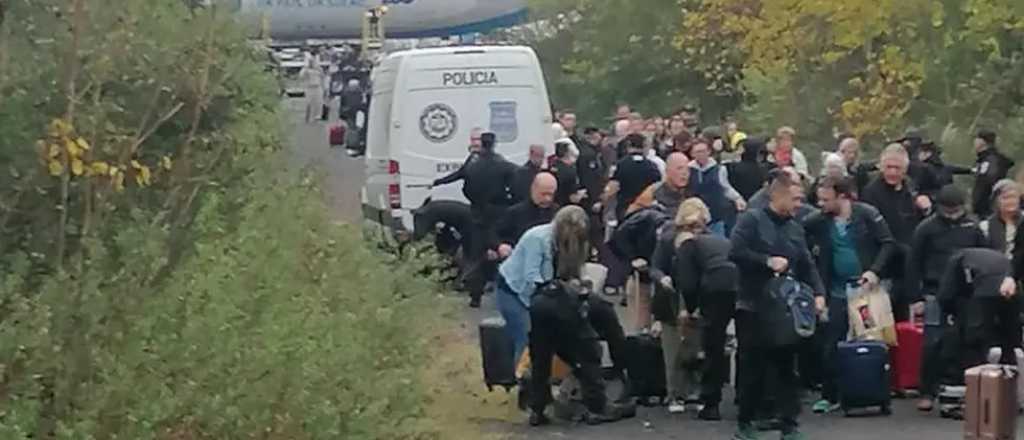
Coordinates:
425 105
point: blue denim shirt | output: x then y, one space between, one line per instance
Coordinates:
530 263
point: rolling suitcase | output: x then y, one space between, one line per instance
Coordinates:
990 405
336 135
994 356
645 365
864 376
498 354
906 357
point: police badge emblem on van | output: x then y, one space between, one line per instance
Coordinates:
504 123
438 123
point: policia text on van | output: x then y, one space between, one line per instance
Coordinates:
471 78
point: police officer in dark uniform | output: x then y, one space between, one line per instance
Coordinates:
991 167
489 180
569 191
633 174
592 173
925 180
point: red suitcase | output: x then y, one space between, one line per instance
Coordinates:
336 134
906 357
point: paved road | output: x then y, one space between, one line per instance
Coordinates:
344 177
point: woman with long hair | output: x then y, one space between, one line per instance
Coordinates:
533 261
552 256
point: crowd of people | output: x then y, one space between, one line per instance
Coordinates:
336 79
693 224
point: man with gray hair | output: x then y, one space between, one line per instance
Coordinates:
897 199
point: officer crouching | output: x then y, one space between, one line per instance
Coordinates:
560 325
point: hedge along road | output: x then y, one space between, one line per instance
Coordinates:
343 179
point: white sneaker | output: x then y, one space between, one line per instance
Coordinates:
677 406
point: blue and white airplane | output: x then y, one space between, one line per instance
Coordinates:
339 19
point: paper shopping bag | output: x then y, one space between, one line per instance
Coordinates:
871 318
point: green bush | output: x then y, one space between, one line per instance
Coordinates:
282 323
160 278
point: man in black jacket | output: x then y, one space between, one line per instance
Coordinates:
935 241
749 174
991 167
903 208
539 209
925 180
569 190
765 243
978 286
853 246
489 180
460 174
526 173
592 174
589 166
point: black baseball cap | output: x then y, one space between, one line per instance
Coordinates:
488 138
988 136
951 196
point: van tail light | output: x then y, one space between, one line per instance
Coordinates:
394 190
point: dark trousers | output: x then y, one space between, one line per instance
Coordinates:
990 322
757 360
618 270
549 336
811 372
940 353
481 269
718 309
834 332
605 322
932 365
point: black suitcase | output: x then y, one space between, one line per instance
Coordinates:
498 354
864 376
645 365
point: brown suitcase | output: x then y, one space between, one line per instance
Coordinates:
990 406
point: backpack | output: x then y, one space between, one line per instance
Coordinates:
563 302
638 233
787 312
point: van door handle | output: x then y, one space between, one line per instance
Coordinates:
425 185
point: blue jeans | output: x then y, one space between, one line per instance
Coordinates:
516 315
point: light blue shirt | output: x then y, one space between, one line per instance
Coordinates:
530 263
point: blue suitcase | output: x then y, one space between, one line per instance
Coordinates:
864 376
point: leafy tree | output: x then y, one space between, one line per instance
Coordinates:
604 52
159 277
863 66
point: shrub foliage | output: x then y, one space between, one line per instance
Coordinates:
159 276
